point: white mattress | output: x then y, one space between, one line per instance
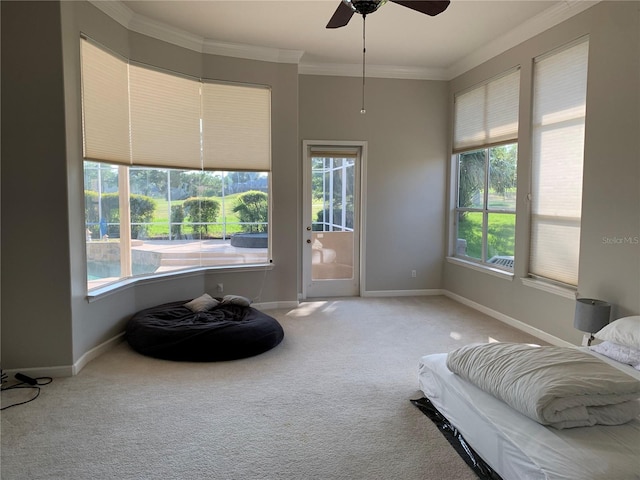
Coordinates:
518 448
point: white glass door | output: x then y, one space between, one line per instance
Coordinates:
331 219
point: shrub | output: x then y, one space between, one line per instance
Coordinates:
337 216
142 209
177 217
253 211
201 211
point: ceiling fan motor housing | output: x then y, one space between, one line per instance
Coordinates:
365 7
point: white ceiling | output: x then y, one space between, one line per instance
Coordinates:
400 42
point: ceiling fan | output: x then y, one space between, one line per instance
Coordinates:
347 8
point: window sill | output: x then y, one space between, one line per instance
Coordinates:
102 292
496 272
548 287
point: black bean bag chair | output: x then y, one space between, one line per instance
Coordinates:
172 331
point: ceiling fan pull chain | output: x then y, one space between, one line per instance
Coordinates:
364 51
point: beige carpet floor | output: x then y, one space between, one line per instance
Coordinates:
330 402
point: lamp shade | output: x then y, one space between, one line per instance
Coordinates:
591 315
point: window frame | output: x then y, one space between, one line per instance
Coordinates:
502 264
126 245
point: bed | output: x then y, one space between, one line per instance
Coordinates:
518 448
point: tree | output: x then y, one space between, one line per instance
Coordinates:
503 164
472 170
100 177
471 178
148 181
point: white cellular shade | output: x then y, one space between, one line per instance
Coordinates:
165 119
105 105
139 115
559 96
488 114
236 127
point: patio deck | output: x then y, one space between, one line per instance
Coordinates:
185 254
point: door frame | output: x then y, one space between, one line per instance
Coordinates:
307 145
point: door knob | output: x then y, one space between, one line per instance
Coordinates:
308 229
308 240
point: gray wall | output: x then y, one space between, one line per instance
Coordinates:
46 318
611 186
36 306
405 126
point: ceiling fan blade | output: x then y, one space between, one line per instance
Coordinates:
433 8
341 16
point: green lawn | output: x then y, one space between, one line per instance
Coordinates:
500 234
160 226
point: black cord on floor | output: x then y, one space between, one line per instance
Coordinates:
41 381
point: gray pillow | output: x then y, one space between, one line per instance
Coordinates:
202 303
238 300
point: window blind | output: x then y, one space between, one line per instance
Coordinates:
487 114
105 105
559 108
165 119
334 152
138 115
236 127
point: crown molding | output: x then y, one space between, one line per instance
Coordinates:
371 71
251 52
534 26
161 31
545 20
116 10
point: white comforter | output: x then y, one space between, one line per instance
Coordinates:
557 386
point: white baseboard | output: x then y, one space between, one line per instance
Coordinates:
402 293
536 332
274 305
68 370
37 372
96 352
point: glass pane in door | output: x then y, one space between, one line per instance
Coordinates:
333 187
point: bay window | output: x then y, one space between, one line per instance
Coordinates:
176 170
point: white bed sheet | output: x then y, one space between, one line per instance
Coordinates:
518 448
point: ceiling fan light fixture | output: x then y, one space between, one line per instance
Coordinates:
347 8
364 7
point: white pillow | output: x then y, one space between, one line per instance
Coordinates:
619 353
236 300
623 331
202 303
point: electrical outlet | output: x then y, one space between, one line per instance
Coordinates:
413 274
220 287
